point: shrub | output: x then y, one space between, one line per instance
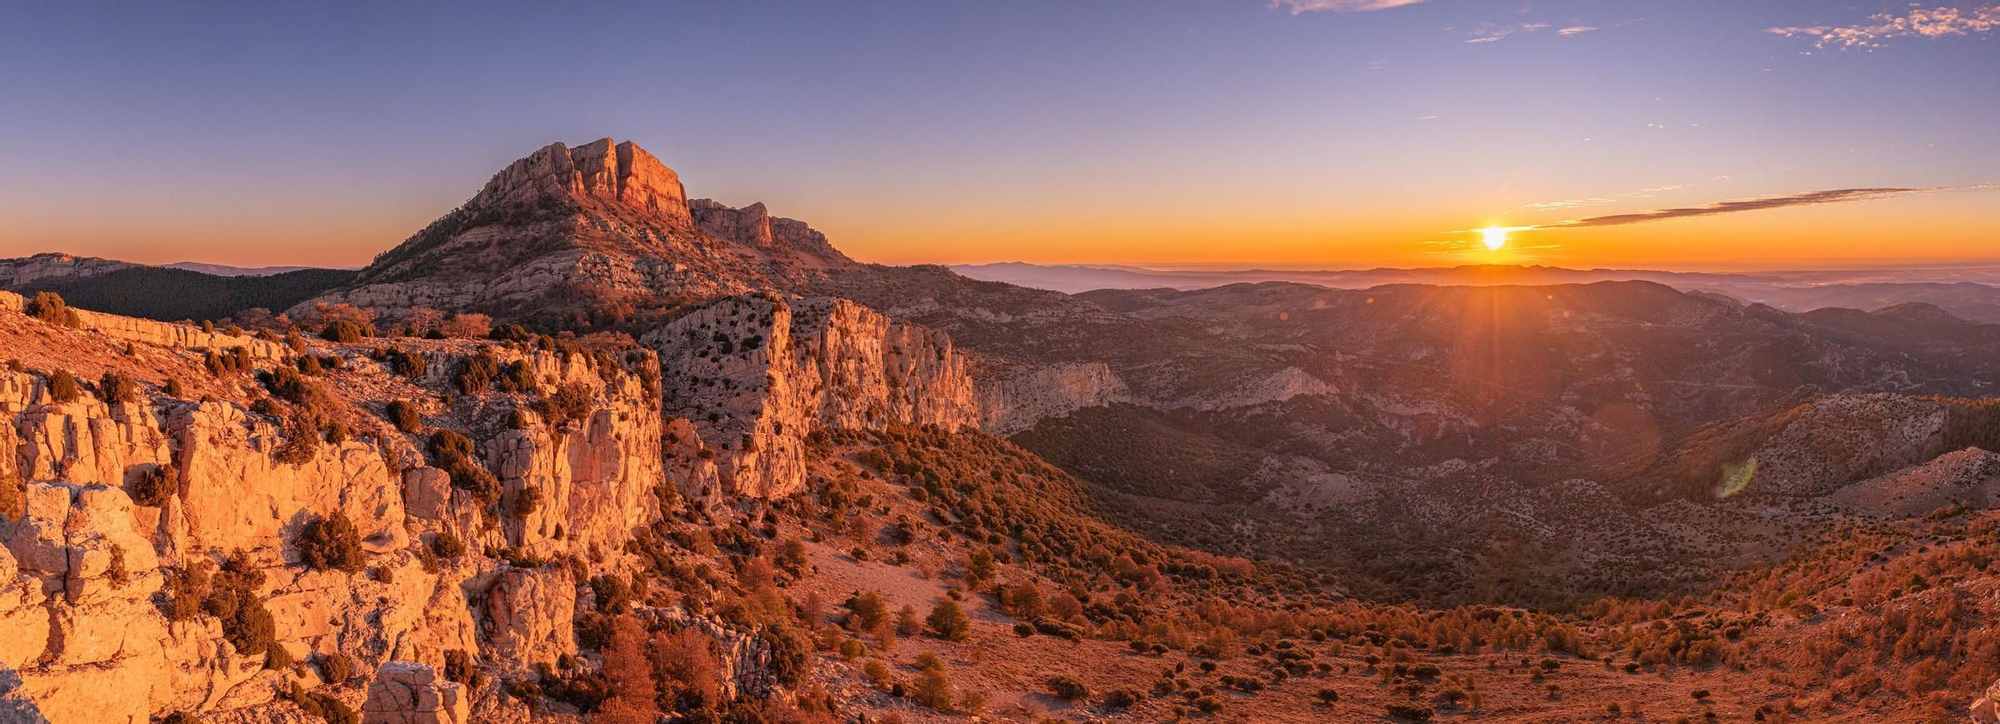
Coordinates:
933 688
511 333
324 706
446 545
114 387
154 486
1409 711
1328 696
571 402
459 667
475 373
1123 698
452 453
1068 688
175 389
336 668
526 502
232 598
869 610
180 717
949 622
878 674
63 388
50 307
407 364
516 376
343 331
468 325
330 544
277 657
404 416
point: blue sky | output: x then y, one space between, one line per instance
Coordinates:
1156 131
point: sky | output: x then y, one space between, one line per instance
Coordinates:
1224 133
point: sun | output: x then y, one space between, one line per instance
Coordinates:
1494 236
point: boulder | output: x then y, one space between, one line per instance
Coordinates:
405 692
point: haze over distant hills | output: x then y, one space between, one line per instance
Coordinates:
1969 291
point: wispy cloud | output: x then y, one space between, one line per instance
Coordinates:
1811 198
1492 32
1919 22
1576 30
1339 6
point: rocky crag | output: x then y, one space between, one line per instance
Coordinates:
601 234
132 501
756 372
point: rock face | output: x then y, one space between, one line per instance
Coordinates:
40 268
594 172
164 334
584 236
85 599
410 693
1018 400
757 374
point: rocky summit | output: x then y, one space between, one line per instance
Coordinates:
598 235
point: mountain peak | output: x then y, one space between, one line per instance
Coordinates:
601 233
596 173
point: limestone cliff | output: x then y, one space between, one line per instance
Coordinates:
116 492
758 374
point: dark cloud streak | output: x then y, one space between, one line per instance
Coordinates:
1813 198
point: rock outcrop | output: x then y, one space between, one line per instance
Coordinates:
757 374
1017 400
404 692
107 502
588 235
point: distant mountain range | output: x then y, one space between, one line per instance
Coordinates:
1968 292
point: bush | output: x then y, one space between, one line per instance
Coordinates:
452 453
526 502
475 373
330 544
324 706
869 610
404 416
1124 698
447 545
949 622
232 598
459 667
878 674
407 364
154 486
336 668
571 402
63 388
343 332
1409 711
114 387
516 376
1068 688
50 307
933 688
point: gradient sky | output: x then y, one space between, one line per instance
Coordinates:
1314 133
